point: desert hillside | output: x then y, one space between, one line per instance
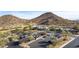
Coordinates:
10 20
50 18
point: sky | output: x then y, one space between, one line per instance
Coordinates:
65 8
22 14
72 15
39 5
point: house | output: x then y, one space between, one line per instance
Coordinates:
40 27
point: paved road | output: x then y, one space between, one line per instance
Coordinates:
14 45
73 44
40 43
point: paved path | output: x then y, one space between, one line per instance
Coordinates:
73 44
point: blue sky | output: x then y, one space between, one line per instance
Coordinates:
64 8
72 15
22 14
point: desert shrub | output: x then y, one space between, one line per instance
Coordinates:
76 27
10 39
51 29
58 30
25 28
16 30
54 39
13 38
3 43
65 35
3 34
30 27
31 37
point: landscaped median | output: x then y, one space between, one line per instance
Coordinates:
24 45
71 39
61 42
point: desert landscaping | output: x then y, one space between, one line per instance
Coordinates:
45 31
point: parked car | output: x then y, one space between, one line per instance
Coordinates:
58 35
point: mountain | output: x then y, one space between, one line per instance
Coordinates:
50 18
10 20
77 20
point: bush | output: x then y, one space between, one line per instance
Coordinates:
54 39
3 43
66 34
31 37
16 30
13 38
76 27
51 29
25 29
58 30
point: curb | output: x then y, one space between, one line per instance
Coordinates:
33 41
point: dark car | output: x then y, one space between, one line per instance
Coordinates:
58 35
14 43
